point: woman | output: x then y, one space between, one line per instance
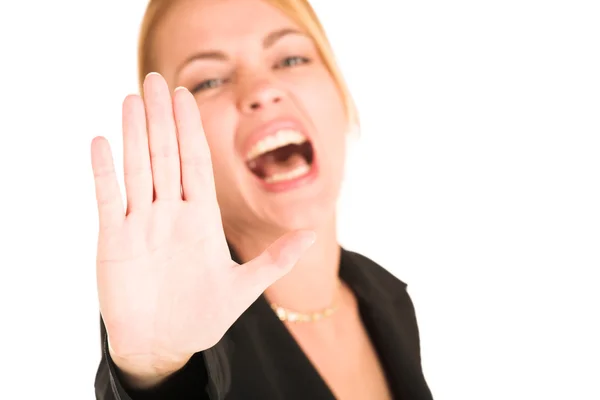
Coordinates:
222 278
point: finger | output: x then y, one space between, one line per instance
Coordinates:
136 156
272 264
162 139
108 194
196 166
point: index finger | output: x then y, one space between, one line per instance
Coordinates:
196 166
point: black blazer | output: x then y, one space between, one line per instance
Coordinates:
259 359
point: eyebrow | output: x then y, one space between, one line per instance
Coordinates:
273 37
268 41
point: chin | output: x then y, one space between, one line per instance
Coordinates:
309 206
300 214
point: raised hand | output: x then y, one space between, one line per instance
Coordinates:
167 285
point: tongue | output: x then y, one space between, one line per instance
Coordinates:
271 165
278 161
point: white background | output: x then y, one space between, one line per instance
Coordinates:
476 180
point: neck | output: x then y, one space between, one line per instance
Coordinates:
313 283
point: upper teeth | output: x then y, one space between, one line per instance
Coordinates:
280 138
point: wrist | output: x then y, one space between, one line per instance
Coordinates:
144 372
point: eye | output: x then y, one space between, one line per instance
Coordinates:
292 61
207 84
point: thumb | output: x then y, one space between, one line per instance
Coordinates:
275 262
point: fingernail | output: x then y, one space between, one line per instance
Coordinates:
309 237
180 88
152 73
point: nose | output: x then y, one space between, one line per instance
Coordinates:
261 96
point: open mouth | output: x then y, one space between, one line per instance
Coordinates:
284 156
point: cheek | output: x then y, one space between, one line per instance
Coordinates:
219 120
325 107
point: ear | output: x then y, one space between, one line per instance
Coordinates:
353 131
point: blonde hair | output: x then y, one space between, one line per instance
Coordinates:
299 11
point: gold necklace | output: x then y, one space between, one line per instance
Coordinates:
285 314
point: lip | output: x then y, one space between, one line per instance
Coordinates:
269 129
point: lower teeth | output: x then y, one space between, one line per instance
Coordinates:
296 172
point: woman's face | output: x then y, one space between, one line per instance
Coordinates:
273 116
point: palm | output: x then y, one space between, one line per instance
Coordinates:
166 282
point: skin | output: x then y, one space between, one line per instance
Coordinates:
167 285
251 73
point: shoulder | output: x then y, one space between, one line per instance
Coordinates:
382 292
369 277
372 268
